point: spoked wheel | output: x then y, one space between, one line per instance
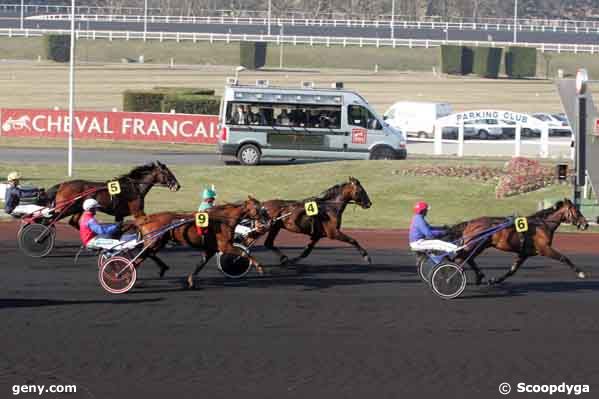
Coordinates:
448 280
36 240
234 266
117 275
425 268
105 255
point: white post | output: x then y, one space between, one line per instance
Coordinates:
461 139
145 18
269 13
281 46
438 145
393 19
71 90
22 13
515 21
545 142
518 138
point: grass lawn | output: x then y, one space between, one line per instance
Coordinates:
392 195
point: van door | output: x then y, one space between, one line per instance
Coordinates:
365 129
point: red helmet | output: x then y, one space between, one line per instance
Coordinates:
420 207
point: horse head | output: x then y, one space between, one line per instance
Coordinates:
253 209
163 175
358 194
571 214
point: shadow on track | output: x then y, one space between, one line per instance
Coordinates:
8 303
515 289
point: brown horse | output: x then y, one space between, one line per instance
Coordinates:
291 216
217 237
535 241
134 185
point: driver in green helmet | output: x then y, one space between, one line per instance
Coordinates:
208 198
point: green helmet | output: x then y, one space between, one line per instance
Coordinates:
208 193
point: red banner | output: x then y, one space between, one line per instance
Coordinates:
137 126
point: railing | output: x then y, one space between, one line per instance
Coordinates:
523 25
294 40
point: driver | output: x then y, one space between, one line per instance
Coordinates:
94 234
208 198
12 195
423 237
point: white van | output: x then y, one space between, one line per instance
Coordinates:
416 118
260 121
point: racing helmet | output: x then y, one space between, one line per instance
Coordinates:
209 193
420 207
90 204
13 176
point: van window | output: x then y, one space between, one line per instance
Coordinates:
360 116
284 115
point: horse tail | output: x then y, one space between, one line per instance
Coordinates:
455 232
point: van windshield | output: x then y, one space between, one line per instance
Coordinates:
358 115
284 115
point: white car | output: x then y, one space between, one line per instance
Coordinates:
416 118
556 123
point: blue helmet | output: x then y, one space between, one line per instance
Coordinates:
208 193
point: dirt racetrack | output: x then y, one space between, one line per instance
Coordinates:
340 330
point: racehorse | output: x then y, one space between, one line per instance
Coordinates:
535 241
134 186
292 216
217 237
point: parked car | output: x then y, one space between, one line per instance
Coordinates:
556 123
415 118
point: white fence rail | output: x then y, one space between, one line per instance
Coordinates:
292 40
352 23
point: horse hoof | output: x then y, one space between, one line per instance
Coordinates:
582 275
367 259
284 261
260 270
163 271
189 282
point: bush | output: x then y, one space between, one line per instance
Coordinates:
143 101
523 175
521 62
487 61
191 104
456 60
57 47
252 55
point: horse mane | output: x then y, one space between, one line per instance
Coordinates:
330 192
140 171
543 213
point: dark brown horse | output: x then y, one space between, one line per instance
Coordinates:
134 185
291 216
218 236
535 241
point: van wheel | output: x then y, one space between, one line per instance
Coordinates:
483 134
381 153
423 135
249 154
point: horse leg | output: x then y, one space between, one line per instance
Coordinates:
515 266
308 249
269 243
553 254
340 236
159 262
199 267
480 276
74 220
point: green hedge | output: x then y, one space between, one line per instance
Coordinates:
143 101
185 90
521 62
57 47
487 61
192 104
456 60
252 55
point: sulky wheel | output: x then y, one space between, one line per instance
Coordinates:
234 266
448 280
36 240
117 275
425 268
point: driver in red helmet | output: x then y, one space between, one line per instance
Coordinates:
423 237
